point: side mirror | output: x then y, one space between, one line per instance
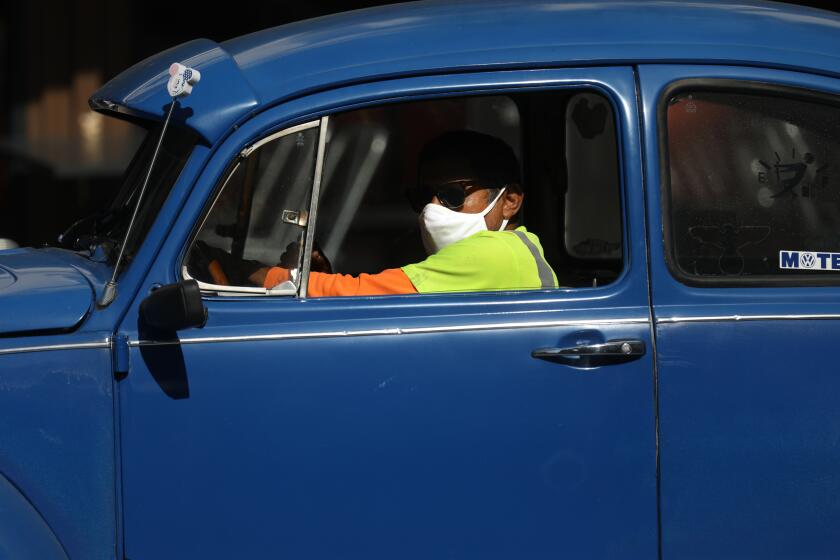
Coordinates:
174 307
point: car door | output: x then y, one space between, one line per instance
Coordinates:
408 426
744 172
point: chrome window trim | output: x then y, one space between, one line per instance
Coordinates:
740 318
271 137
393 331
51 347
313 208
220 290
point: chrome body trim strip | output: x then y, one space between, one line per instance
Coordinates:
50 347
391 331
739 318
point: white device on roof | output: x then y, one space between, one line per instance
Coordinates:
182 80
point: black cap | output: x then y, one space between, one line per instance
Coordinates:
468 155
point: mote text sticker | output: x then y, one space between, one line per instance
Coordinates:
809 260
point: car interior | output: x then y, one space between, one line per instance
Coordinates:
565 141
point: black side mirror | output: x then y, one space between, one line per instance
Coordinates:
174 307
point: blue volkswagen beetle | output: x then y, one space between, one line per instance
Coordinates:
674 397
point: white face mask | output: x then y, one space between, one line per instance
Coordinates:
440 226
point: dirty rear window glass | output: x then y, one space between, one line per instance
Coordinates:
754 186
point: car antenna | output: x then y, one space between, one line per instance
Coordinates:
181 82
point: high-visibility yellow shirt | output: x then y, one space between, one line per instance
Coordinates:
487 260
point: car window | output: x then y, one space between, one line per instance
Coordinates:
753 186
565 147
557 150
259 216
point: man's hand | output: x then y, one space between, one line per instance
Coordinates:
291 257
289 261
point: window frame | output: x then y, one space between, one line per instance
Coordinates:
734 86
320 117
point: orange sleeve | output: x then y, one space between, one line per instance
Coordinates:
274 276
218 274
391 281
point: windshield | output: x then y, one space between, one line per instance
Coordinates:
102 233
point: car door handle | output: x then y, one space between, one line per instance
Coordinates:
588 355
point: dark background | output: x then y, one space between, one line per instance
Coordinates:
58 160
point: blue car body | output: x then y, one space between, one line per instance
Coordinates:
417 427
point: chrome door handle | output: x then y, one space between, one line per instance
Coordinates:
587 355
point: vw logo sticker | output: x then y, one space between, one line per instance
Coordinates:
807 260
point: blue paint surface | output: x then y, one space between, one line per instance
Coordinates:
40 293
749 432
57 449
23 532
220 99
410 446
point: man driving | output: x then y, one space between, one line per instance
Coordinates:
469 197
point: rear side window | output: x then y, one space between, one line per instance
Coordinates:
752 187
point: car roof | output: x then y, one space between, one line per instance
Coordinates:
436 36
417 38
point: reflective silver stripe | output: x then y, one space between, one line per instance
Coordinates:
738 318
47 348
544 271
394 331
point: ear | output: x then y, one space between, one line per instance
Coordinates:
511 202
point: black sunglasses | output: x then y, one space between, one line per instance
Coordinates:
451 195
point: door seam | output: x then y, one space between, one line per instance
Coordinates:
651 315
